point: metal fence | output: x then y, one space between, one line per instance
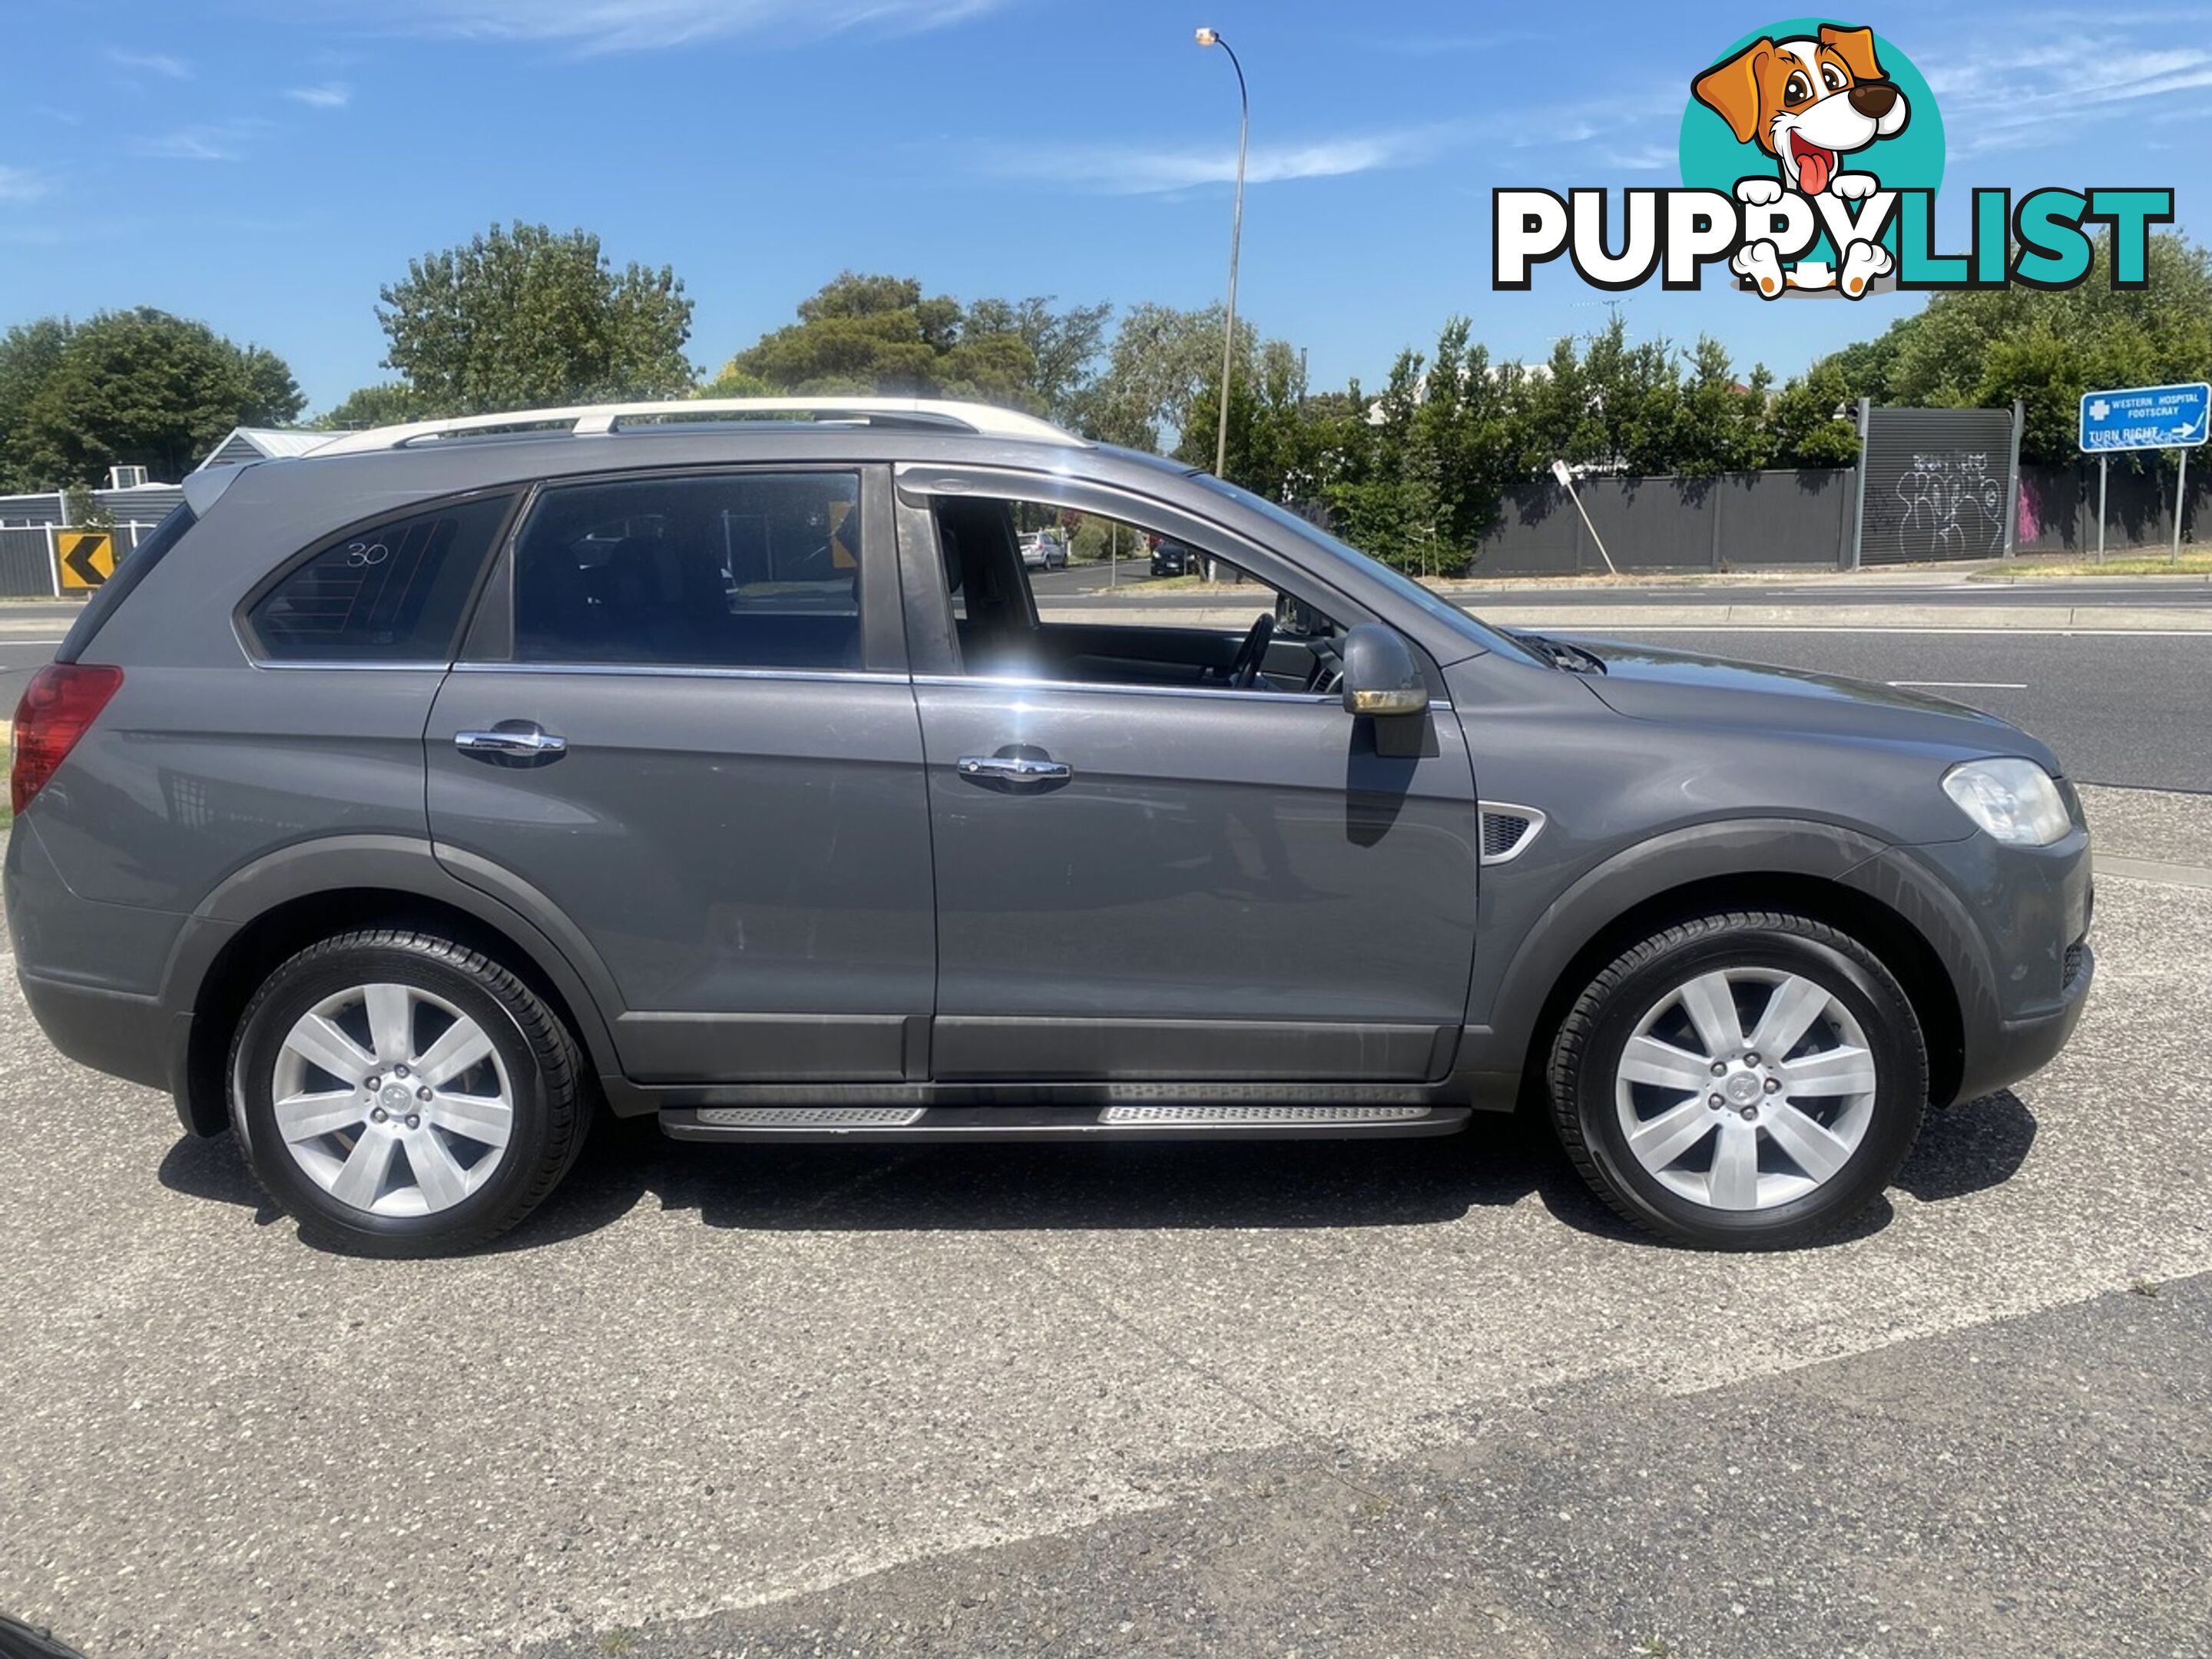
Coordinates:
28 565
2058 506
1939 484
1737 521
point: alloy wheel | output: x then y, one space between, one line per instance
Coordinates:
392 1100
1746 1088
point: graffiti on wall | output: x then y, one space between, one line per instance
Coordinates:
1954 504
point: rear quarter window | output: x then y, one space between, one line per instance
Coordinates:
394 591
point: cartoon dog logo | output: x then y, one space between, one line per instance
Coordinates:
1809 101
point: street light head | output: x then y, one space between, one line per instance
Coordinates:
1207 38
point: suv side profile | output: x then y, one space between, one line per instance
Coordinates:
401 806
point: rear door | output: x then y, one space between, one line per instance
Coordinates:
683 727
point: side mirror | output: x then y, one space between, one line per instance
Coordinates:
1379 676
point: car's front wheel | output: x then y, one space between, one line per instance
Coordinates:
400 1094
1743 1081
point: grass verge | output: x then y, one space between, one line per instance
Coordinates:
2192 563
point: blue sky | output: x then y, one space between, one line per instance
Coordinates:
266 164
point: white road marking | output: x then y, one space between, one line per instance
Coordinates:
1963 685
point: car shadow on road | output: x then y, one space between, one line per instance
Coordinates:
1496 1163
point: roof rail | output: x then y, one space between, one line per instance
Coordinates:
594 420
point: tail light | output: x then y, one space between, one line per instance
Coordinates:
58 707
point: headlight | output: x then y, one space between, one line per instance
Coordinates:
2014 800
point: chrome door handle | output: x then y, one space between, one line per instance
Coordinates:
1031 770
518 739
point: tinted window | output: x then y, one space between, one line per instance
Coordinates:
742 570
392 592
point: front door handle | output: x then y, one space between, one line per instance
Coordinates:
1016 768
524 740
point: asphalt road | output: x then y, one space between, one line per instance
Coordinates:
2120 708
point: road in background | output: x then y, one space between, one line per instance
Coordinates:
2157 592
2119 708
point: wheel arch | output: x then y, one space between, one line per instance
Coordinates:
271 909
1814 869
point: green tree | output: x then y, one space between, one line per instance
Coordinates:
523 318
1984 349
1064 346
1162 362
28 354
879 334
1802 427
138 388
733 382
1711 416
393 403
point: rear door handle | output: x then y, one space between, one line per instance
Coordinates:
512 739
1014 769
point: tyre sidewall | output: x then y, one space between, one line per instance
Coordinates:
301 983
1875 999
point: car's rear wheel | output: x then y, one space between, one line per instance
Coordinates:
1745 1081
400 1094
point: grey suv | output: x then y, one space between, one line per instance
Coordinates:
400 805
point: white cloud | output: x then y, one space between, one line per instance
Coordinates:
1134 170
20 184
2058 72
644 25
152 63
331 94
223 141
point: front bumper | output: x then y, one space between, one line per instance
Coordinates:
2010 927
2017 1049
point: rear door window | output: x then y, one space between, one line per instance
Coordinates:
388 593
724 570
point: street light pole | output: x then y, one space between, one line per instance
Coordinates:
1213 38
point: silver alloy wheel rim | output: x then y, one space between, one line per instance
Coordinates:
1746 1088
392 1100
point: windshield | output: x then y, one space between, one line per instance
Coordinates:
1480 636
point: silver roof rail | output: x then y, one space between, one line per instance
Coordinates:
596 420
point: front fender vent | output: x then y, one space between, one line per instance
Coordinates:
1507 831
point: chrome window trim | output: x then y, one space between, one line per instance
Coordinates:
1016 682
676 671
438 666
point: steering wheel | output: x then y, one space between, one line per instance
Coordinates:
1245 669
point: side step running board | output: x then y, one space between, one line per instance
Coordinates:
1163 1122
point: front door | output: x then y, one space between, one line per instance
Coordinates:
1163 876
697 747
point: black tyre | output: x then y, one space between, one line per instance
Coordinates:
1745 1081
402 1094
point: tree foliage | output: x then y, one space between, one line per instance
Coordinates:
391 402
127 388
523 318
879 334
1983 350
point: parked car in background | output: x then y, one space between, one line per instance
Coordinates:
1172 558
401 807
1043 549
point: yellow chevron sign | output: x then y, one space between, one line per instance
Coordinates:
86 557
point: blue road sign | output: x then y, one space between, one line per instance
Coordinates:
2147 418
